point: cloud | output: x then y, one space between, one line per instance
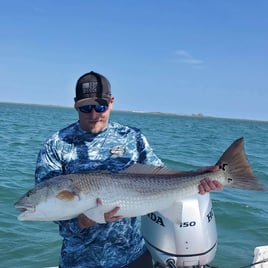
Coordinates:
186 57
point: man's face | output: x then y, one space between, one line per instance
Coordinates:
95 122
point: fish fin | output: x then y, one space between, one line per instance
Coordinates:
234 162
66 195
173 213
96 214
159 170
149 169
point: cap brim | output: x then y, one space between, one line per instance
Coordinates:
91 101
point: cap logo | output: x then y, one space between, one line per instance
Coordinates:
90 87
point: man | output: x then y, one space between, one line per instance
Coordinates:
95 143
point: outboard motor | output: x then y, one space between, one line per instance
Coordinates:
191 242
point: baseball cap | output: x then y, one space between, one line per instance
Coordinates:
92 88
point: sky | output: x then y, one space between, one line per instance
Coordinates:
188 57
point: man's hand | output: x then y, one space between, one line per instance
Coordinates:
207 185
110 216
85 222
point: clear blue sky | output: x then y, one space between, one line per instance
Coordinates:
177 56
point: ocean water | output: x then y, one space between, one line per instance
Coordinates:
182 142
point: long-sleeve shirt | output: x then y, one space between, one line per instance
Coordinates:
73 150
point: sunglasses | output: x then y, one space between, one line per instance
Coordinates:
98 108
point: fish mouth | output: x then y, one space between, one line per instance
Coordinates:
25 212
25 209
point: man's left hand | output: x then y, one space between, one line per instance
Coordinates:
206 185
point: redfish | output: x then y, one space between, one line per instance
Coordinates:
138 190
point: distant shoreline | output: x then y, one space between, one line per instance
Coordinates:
199 115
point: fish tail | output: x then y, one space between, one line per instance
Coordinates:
235 164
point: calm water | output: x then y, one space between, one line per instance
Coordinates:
181 142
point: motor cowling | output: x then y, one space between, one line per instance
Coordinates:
190 241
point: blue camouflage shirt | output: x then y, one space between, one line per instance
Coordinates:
73 150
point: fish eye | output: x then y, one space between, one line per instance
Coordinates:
29 193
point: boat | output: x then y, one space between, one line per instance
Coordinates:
260 257
191 241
